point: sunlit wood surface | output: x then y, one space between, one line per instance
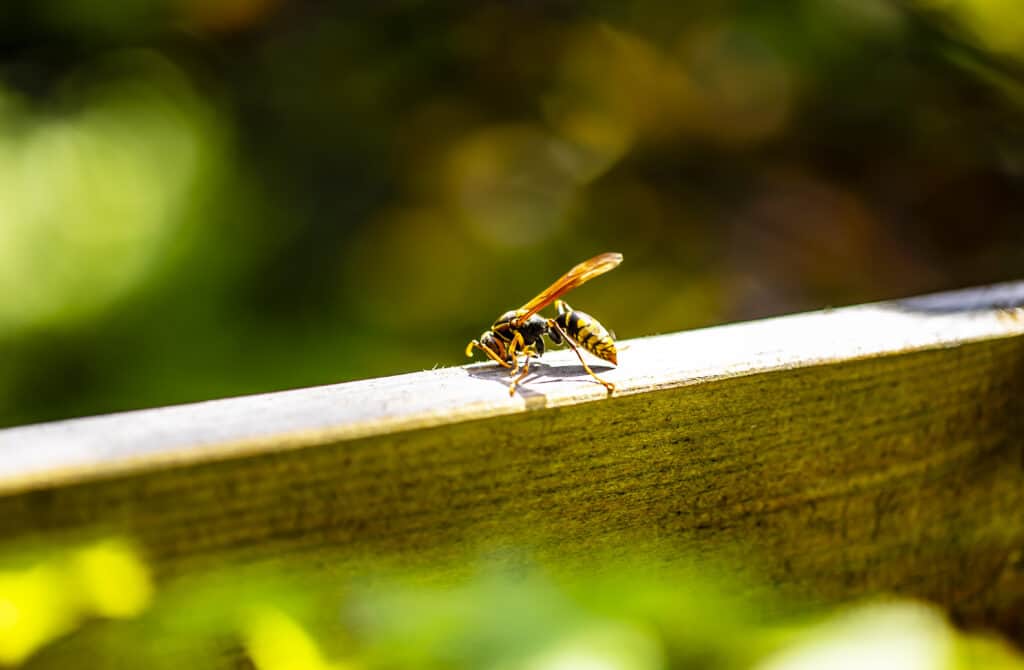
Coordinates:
834 454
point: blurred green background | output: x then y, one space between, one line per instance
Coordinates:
202 198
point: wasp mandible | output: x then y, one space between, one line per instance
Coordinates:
521 331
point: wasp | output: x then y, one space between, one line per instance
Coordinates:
521 331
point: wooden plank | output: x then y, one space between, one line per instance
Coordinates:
98 446
834 454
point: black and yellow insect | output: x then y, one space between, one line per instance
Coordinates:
521 331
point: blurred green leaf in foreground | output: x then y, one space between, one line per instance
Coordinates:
44 598
94 606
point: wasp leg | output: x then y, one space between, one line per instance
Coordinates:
487 350
517 339
529 351
515 382
554 326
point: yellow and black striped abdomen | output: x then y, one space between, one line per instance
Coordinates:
587 332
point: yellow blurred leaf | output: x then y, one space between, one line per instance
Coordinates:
36 606
112 578
275 641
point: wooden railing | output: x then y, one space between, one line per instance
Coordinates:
834 454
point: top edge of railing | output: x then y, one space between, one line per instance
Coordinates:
48 454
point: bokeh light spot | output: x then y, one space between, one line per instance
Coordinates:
897 636
604 647
114 581
998 24
513 186
36 606
743 89
91 202
275 641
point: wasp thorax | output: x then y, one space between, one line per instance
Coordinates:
504 321
533 328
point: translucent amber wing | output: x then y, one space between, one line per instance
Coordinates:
578 275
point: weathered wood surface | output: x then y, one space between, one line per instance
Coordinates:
836 454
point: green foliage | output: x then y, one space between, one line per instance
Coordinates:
94 604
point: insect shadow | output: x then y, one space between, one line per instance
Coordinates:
540 373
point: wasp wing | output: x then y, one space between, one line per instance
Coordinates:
578 275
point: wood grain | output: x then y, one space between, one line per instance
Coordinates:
837 454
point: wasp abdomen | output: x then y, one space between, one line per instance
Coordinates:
588 332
